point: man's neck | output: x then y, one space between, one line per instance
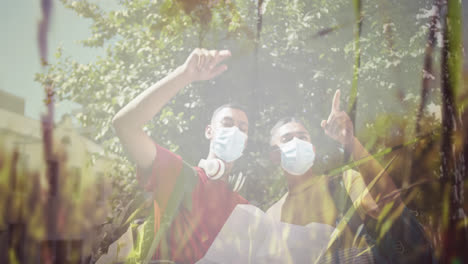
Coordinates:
297 183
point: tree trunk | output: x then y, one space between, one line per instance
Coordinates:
452 167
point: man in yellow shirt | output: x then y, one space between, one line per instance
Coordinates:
322 199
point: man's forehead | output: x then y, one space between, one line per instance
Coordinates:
291 127
233 113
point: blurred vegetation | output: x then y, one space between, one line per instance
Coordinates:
27 203
288 59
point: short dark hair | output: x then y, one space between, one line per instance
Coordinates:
283 121
228 105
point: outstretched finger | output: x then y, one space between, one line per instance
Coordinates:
336 102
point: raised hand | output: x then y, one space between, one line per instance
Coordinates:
203 65
338 125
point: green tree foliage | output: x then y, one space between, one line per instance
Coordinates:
305 53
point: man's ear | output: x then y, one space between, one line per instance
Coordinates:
208 132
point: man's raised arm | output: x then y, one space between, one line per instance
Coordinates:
128 122
339 127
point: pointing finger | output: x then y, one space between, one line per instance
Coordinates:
336 102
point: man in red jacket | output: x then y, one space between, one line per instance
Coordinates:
194 224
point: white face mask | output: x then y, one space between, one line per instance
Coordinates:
228 143
297 156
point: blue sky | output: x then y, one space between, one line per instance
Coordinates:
19 52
